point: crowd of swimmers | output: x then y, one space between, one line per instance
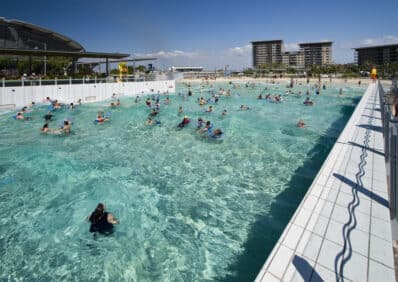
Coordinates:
153 103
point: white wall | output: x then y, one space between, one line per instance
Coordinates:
19 96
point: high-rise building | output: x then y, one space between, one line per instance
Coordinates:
316 53
267 52
376 55
293 59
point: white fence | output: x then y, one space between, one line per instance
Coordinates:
19 96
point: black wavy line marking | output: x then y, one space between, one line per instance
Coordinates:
346 252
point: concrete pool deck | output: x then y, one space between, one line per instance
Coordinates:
341 231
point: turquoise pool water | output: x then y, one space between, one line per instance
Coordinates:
190 209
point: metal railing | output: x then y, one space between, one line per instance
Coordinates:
390 134
65 81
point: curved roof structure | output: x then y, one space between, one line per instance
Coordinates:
23 35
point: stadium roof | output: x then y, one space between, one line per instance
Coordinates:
34 52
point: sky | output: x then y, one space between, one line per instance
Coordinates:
211 33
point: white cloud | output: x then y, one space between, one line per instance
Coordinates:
167 54
240 51
291 46
379 40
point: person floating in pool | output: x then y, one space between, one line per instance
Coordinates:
148 102
67 127
101 220
115 104
100 118
301 124
207 127
46 129
48 116
244 107
308 102
200 123
149 121
20 116
56 105
202 101
180 110
153 112
184 122
216 133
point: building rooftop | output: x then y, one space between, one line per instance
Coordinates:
82 54
378 46
43 31
268 41
316 43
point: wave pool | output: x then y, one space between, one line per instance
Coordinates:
190 209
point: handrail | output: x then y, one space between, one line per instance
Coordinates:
390 134
84 80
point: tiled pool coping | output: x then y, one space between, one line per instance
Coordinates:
342 229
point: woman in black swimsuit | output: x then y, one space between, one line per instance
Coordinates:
102 221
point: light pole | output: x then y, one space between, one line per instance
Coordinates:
225 70
45 60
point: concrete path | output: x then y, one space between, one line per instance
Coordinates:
341 231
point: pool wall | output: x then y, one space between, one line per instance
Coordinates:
19 96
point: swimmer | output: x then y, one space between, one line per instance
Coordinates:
102 221
184 122
207 127
167 101
200 123
71 106
217 133
100 118
137 99
209 109
48 116
19 116
244 107
301 124
149 121
202 101
67 127
45 128
117 102
153 112
224 113
308 102
180 111
341 92
259 97
148 102
79 101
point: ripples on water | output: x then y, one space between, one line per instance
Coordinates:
190 209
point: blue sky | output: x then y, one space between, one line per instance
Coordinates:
211 33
